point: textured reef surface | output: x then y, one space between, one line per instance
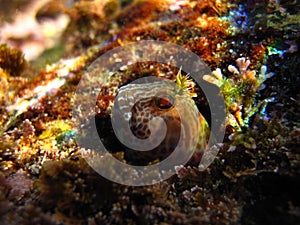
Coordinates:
252 49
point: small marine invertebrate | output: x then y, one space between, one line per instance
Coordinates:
240 90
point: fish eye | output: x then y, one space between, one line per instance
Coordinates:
164 101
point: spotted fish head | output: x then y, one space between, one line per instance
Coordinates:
147 107
145 110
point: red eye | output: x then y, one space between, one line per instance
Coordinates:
164 101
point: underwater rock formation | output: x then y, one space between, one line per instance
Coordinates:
255 176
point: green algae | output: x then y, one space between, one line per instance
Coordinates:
48 57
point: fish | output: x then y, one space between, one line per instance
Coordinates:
140 104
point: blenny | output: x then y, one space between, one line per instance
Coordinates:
138 104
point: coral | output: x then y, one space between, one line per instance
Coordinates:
240 91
